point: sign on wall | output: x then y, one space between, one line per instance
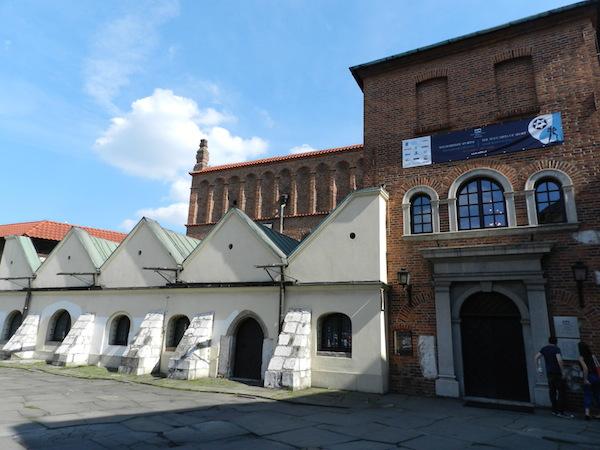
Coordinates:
496 139
566 329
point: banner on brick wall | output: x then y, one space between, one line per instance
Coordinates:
497 139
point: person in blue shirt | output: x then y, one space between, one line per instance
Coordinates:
555 374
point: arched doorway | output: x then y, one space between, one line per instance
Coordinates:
492 348
248 350
13 322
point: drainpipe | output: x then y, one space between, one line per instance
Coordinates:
281 296
282 203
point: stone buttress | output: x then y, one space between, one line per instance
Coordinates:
75 348
290 366
143 354
192 356
22 344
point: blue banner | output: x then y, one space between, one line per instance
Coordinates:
534 132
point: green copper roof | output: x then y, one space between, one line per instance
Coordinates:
285 243
178 245
98 249
30 252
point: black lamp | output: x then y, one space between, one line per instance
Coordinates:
580 274
404 280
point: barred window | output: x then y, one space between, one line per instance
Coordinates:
177 327
336 333
549 201
481 205
119 330
13 322
420 214
60 325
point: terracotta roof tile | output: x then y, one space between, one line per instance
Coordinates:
54 231
275 159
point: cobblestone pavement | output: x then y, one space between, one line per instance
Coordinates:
44 411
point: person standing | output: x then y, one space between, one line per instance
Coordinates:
555 374
591 380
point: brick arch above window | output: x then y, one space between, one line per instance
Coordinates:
567 188
435 207
482 172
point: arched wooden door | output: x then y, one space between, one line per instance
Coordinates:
492 348
248 350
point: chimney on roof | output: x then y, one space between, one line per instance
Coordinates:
202 155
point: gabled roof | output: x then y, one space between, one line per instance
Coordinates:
98 249
333 214
30 252
184 245
285 243
179 246
279 243
54 231
275 159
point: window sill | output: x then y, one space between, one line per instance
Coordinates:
334 354
491 232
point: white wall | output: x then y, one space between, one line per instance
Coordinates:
14 264
366 369
330 255
214 261
68 256
125 266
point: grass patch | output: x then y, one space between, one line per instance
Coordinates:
316 396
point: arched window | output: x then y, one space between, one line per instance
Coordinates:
481 204
176 330
421 218
60 325
336 333
119 330
420 210
13 322
549 201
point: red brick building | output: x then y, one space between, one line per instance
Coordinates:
315 182
491 240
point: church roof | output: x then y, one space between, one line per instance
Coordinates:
54 231
276 159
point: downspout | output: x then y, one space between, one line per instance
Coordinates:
281 297
27 299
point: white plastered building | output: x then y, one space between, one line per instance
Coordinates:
245 302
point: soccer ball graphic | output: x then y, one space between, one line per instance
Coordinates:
542 129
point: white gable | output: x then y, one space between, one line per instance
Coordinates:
214 261
68 256
18 260
142 248
331 254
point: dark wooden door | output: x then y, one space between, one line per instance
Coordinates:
492 347
248 350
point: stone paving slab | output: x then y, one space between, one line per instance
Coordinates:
114 415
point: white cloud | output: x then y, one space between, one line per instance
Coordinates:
157 139
121 47
174 214
301 149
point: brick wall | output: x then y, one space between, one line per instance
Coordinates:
488 79
315 182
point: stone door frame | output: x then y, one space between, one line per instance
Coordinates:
514 270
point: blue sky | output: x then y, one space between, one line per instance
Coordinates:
102 103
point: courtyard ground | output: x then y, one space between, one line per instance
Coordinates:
41 410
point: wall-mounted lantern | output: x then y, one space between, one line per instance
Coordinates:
404 280
580 274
